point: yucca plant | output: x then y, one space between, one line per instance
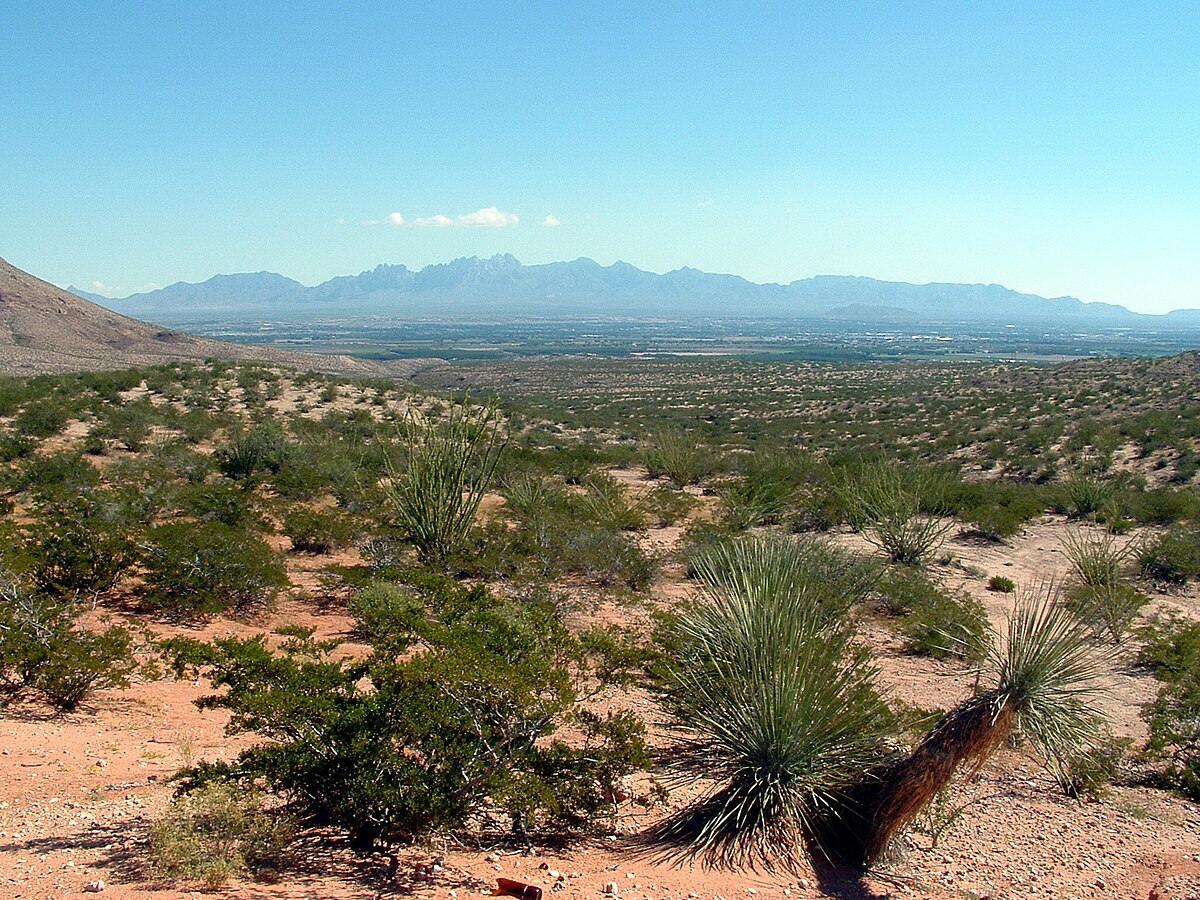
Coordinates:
528 495
606 504
1100 597
896 508
679 456
777 704
1095 558
773 700
444 469
1047 672
1086 494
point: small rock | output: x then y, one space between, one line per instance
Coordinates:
611 889
93 887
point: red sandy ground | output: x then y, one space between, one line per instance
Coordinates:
78 792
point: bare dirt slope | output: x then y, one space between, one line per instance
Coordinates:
45 329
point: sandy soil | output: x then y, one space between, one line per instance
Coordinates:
78 791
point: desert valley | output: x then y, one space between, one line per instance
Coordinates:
283 624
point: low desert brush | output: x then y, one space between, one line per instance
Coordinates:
217 832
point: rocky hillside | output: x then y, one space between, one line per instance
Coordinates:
46 329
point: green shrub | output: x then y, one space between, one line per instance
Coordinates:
1172 648
60 476
387 614
1001 584
220 501
1173 556
666 505
262 449
944 625
45 650
15 446
76 551
453 718
994 510
199 569
13 393
318 530
607 557
217 832
1174 721
1088 773
1164 505
42 418
130 423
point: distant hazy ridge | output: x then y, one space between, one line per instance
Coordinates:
501 287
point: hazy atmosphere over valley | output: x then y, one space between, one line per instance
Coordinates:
630 451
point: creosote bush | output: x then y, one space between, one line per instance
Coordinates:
453 720
1173 556
45 650
318 530
196 569
1172 648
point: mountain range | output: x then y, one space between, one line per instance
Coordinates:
502 288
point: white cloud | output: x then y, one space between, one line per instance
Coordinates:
551 221
488 217
339 221
100 287
704 204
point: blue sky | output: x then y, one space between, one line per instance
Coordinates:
1050 147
